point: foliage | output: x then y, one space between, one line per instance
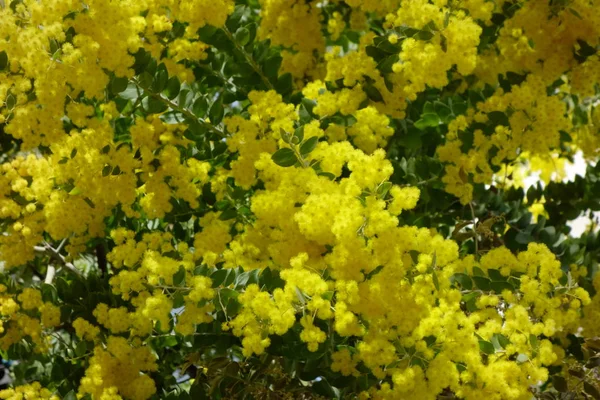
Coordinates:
298 199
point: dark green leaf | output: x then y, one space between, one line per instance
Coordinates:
309 145
228 214
219 276
464 280
173 87
500 286
49 293
106 170
200 107
486 347
560 384
591 390
3 60
118 85
482 283
272 65
373 93
154 105
436 282
216 112
179 277
284 157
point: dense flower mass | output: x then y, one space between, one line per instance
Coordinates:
299 199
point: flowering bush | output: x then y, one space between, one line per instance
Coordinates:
298 199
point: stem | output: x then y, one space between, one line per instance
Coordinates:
304 163
249 59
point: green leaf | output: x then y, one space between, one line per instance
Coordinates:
500 341
160 79
523 238
197 392
560 383
436 282
200 107
500 286
591 390
327 175
81 348
216 112
228 214
3 60
373 93
482 283
284 157
49 293
246 278
75 191
70 396
173 87
106 170
285 83
309 145
521 358
495 275
575 13
327 295
242 36
427 120
299 134
384 189
272 65
424 35
324 388
486 347
219 276
153 105
498 118
118 85
179 276
464 280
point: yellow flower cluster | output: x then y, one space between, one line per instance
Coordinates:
146 272
329 222
115 371
33 391
25 315
542 41
296 25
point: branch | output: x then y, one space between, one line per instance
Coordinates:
50 272
58 257
249 59
188 113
